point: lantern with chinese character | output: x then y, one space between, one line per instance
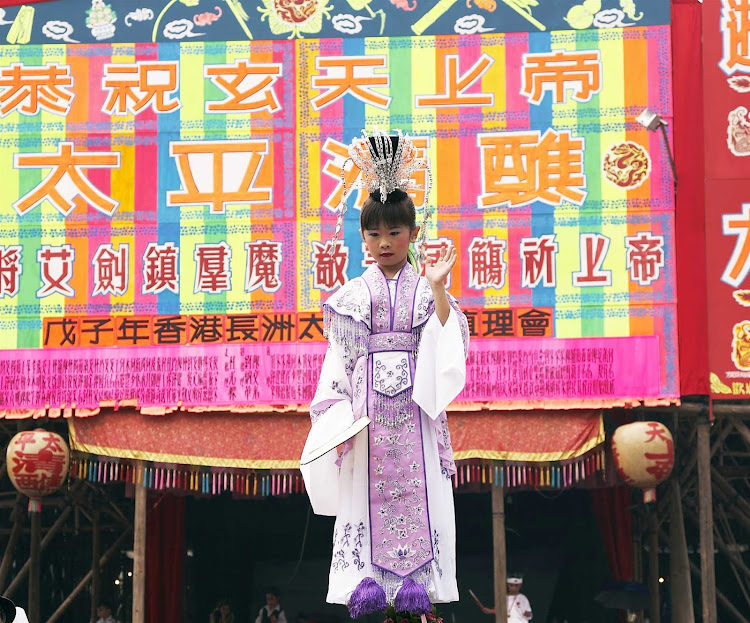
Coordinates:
37 464
644 455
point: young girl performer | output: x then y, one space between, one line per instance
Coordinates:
395 360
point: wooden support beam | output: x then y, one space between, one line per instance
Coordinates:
734 558
17 516
706 528
727 603
139 548
45 541
679 563
738 506
653 567
499 554
96 547
87 578
742 429
35 565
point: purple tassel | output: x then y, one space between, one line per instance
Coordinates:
367 598
412 597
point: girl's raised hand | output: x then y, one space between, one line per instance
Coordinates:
438 271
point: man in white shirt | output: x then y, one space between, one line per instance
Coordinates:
272 611
519 608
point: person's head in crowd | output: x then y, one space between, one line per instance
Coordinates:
104 610
273 598
514 584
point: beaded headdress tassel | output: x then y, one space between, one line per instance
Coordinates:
387 162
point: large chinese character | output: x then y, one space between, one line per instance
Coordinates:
218 173
739 264
432 249
249 86
111 269
56 264
455 87
559 72
212 268
30 89
735 29
134 86
66 187
329 265
538 261
340 158
519 168
350 74
644 257
10 270
160 268
592 252
662 461
263 265
487 265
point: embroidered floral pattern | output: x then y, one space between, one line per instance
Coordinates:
391 373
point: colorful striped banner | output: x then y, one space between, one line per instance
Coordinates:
202 178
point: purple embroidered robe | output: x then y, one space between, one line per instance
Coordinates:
390 489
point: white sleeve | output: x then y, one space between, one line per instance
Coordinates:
441 365
331 413
282 617
526 606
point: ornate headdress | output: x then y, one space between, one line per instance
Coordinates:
387 162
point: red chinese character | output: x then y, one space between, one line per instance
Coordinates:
739 264
432 250
111 269
56 270
663 461
10 270
350 74
593 251
644 257
519 168
212 268
561 71
29 89
487 265
66 187
329 267
249 86
656 431
24 439
538 261
160 268
134 86
263 265
218 173
455 86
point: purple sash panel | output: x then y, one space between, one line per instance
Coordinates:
400 533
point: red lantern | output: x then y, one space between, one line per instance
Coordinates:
644 455
37 464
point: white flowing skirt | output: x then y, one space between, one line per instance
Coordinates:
351 561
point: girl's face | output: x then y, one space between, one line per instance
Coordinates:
389 246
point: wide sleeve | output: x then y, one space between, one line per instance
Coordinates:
331 414
441 363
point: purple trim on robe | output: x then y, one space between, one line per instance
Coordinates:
400 533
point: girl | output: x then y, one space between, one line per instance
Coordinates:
395 360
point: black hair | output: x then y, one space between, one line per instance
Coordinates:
397 211
272 590
104 604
